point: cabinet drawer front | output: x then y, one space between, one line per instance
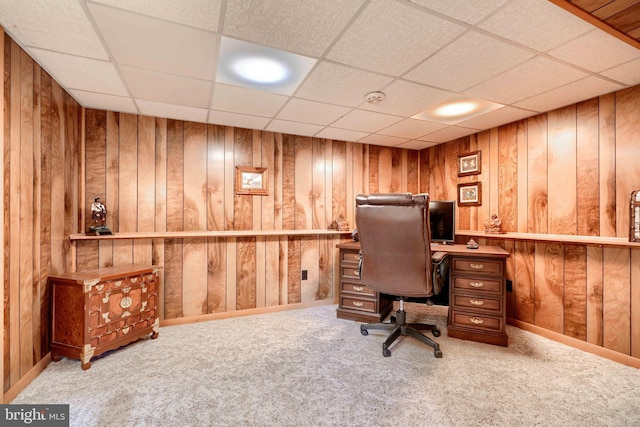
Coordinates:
358 304
348 256
480 304
477 284
358 289
476 321
351 273
481 266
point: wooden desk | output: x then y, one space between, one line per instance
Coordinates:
476 292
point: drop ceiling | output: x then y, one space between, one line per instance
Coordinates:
160 58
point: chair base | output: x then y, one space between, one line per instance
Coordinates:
399 326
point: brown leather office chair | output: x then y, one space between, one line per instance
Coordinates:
396 259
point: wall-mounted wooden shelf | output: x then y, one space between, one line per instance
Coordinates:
191 234
554 238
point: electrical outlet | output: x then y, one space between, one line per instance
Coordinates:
509 286
304 274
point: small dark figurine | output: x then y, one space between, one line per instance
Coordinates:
99 217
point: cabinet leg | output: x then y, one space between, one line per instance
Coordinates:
154 335
85 366
56 357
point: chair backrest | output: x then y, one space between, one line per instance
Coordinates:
395 243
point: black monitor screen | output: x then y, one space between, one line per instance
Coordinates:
442 221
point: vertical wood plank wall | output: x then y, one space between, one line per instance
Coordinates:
40 183
570 171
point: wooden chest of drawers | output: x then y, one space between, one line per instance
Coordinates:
356 300
477 299
95 311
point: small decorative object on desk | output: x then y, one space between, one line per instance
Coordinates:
342 224
493 225
634 217
354 235
472 244
99 217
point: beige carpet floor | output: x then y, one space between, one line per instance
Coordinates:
307 368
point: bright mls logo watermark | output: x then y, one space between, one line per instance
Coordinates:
34 415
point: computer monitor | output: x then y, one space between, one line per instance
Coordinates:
442 221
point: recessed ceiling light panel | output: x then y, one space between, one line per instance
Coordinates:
457 109
258 67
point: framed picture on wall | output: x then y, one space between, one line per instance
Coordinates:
251 181
470 163
470 194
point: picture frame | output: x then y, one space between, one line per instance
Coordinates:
470 163
470 194
251 181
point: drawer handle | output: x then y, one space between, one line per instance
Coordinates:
126 302
358 304
358 288
476 302
476 284
476 266
476 320
356 257
356 273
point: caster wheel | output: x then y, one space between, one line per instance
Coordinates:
392 319
437 354
363 331
386 352
436 333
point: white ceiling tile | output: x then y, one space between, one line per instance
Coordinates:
203 14
172 111
574 92
366 121
341 134
538 24
612 51
464 10
412 128
531 78
167 88
389 37
58 25
384 140
101 101
407 98
415 144
74 72
237 120
157 45
340 85
246 101
306 27
628 73
301 110
293 128
486 56
448 134
498 117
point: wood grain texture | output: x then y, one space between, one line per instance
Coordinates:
607 164
549 285
616 303
587 180
635 302
508 176
575 296
537 176
594 295
524 281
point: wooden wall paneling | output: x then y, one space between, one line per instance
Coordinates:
339 190
216 247
464 212
194 255
616 303
594 294
14 218
524 281
257 225
270 159
450 184
510 273
575 292
522 176
243 156
229 197
173 262
627 164
246 273
549 286
39 282
350 181
385 170
607 164
127 181
588 185
326 252
294 267
413 171
72 169
494 172
356 170
310 260
146 207
243 220
57 180
438 170
319 215
537 176
398 171
425 171
112 159
472 145
288 183
635 302
160 204
507 208
562 169
5 121
484 210
327 167
374 170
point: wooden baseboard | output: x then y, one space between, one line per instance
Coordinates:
23 382
625 359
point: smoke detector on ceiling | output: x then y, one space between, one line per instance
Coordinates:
374 97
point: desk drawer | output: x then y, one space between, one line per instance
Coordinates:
477 284
476 321
479 266
353 288
350 273
477 304
347 256
358 304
